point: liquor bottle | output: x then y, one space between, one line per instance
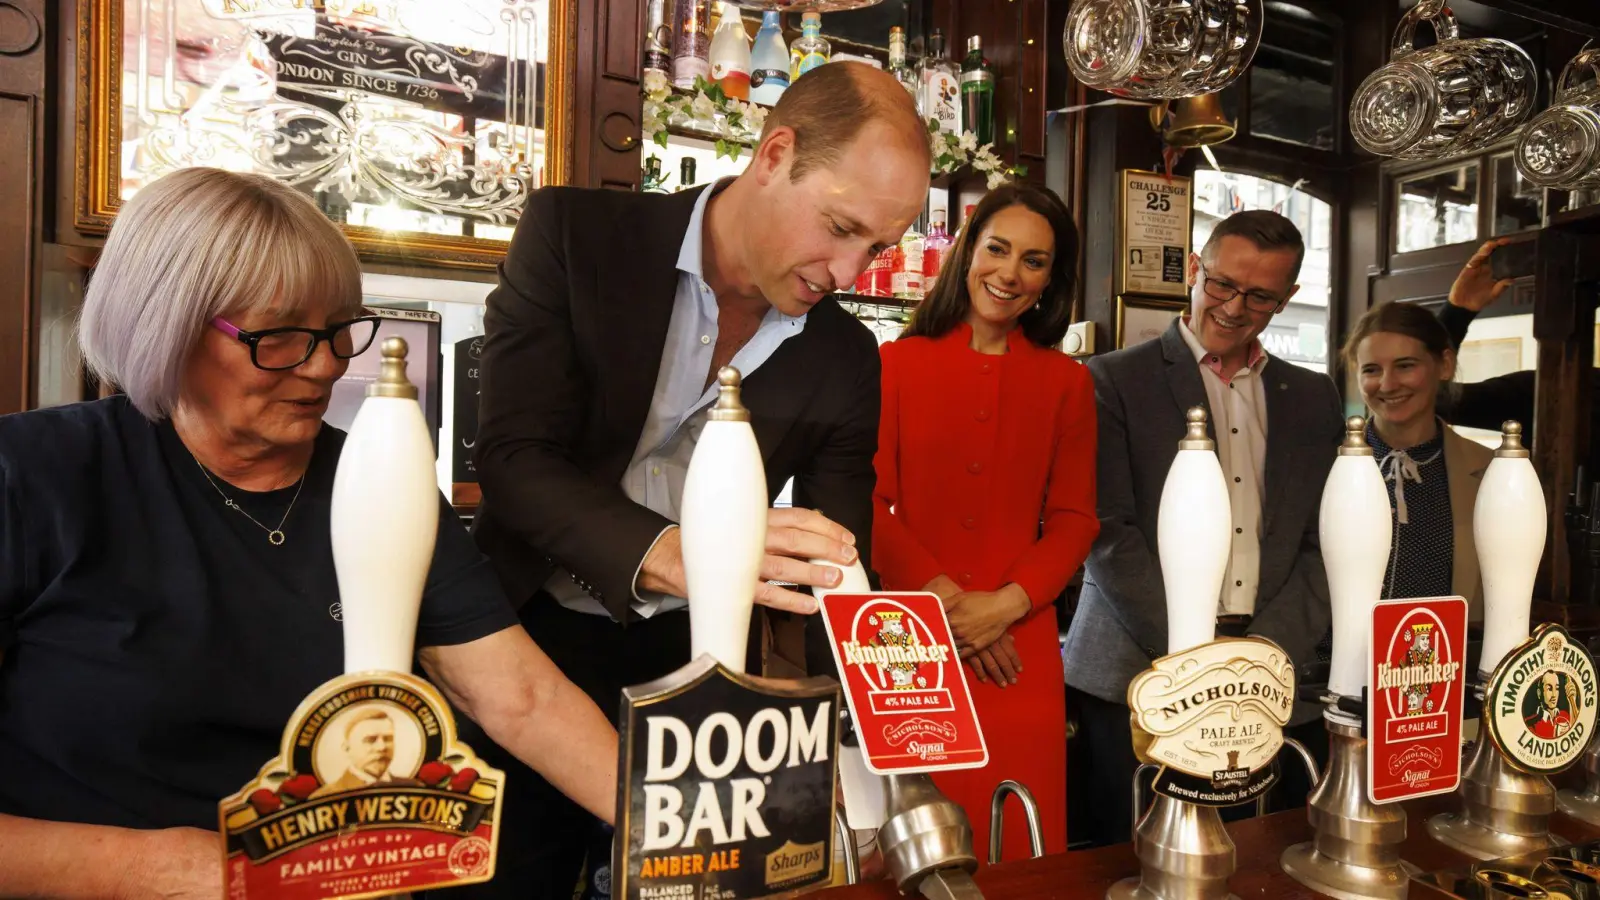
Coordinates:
658 39
977 93
906 278
897 60
811 49
730 55
686 173
940 87
769 61
691 52
935 249
653 177
876 280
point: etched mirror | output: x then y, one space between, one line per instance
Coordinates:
419 125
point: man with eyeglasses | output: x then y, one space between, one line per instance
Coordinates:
1276 428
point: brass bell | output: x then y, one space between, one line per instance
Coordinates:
1196 122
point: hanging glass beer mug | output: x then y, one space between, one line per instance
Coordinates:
1560 147
1457 96
1161 49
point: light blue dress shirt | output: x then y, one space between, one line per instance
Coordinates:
654 478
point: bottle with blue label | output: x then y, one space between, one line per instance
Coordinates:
811 49
769 61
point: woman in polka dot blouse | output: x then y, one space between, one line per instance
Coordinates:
1404 359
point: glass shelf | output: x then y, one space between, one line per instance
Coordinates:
805 6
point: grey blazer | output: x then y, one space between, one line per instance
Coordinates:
1141 394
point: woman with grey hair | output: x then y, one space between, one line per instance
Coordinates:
167 590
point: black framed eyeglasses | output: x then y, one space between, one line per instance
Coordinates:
1224 292
277 349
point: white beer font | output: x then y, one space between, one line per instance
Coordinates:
724 528
385 518
1194 531
1356 529
1508 525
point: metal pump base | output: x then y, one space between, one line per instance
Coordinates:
1584 805
1504 812
1184 854
1356 852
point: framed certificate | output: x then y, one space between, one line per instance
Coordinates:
1141 319
1153 233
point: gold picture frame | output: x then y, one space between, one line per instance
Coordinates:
1145 317
102 36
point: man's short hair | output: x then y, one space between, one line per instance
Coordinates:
1264 228
828 106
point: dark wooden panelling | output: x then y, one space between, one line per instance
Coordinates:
1031 87
24 42
19 246
621 38
1563 320
606 107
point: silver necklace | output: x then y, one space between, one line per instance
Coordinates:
274 535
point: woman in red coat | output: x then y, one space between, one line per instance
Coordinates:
986 486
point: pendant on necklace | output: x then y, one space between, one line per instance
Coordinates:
275 538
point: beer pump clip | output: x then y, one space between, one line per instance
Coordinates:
371 794
726 780
1538 710
1210 714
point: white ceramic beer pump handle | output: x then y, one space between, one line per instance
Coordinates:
724 525
1508 526
854 580
1194 533
384 520
1356 529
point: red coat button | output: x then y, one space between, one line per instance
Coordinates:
975 468
983 415
969 523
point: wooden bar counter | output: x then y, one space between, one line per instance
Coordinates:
1086 874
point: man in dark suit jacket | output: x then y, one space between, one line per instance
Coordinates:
1276 428
613 315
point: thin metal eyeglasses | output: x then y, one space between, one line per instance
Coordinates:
1223 292
277 349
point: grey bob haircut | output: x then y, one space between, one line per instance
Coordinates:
197 244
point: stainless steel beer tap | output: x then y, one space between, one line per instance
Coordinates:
997 819
927 841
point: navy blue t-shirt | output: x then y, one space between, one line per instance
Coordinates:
155 643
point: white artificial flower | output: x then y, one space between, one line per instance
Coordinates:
755 118
655 83
702 108
996 179
968 141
